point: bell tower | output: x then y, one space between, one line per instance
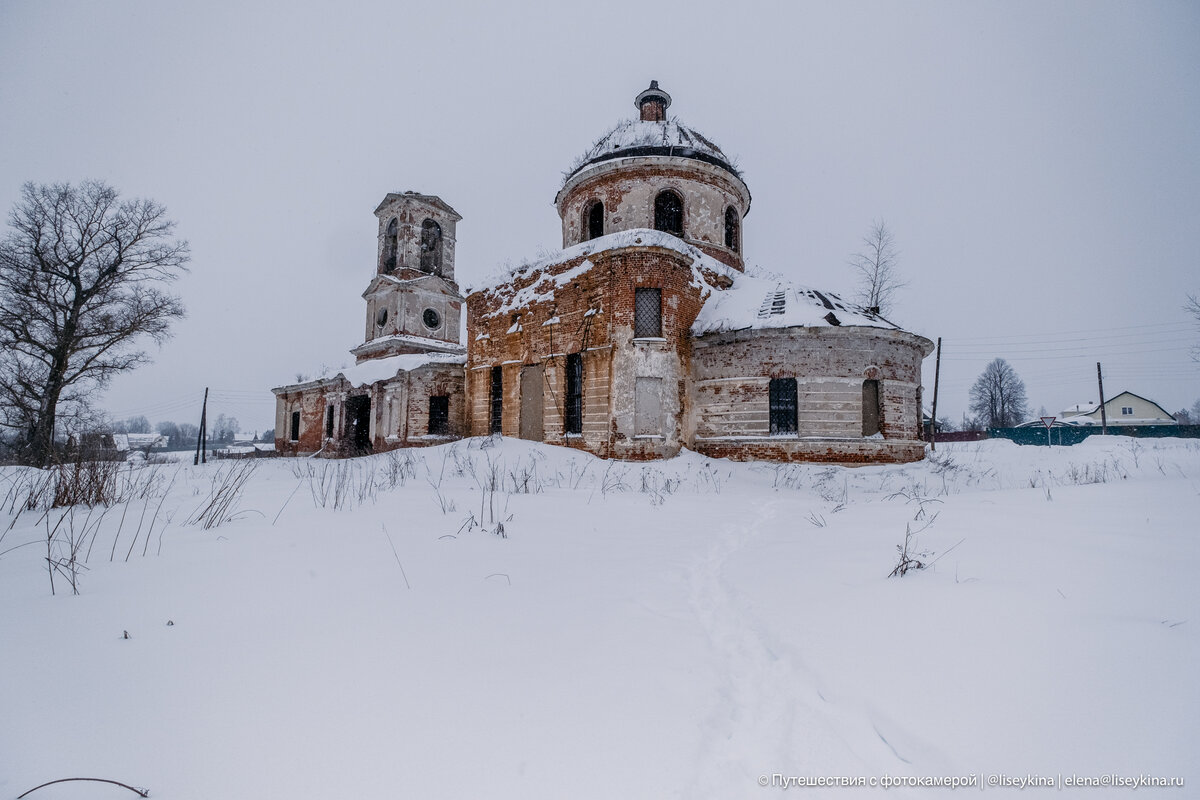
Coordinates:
413 303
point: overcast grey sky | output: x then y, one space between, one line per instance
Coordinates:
1038 162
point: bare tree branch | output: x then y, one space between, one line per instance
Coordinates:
998 398
81 282
876 265
1193 307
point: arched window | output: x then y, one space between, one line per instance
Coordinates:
431 247
871 417
668 213
731 229
391 243
595 220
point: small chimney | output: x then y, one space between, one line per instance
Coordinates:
653 103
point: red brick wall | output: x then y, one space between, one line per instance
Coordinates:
594 313
627 189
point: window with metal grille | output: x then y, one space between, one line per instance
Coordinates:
574 409
595 220
431 247
870 408
497 396
783 406
731 229
390 246
668 213
295 426
439 415
328 422
647 313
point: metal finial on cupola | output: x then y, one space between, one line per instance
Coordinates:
653 103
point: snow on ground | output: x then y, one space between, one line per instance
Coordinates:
679 629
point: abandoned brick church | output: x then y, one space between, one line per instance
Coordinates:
642 336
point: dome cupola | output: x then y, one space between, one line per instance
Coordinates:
655 172
653 103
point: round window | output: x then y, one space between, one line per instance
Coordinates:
432 319
381 317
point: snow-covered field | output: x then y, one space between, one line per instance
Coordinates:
681 629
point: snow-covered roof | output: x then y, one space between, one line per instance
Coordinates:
635 137
428 199
751 302
381 369
543 287
1079 408
407 340
754 302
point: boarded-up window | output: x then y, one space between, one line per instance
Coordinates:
731 228
595 220
328 422
531 424
439 415
431 247
648 408
647 313
497 399
295 426
574 399
870 408
783 406
668 213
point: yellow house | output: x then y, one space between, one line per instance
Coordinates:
1125 408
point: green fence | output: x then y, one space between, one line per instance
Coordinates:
1074 434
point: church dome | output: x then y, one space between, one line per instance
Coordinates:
636 137
657 173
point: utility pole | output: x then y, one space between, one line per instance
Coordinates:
200 435
937 373
1103 415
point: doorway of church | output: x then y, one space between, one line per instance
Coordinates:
532 403
358 424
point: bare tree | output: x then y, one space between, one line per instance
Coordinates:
1193 307
82 277
878 276
224 429
998 397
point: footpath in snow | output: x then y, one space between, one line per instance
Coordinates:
500 619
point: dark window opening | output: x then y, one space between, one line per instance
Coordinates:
295 426
381 317
870 408
439 415
431 319
391 244
574 409
329 422
668 213
595 220
358 423
497 400
783 406
647 313
731 229
431 247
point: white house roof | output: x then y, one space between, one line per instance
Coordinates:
1079 408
